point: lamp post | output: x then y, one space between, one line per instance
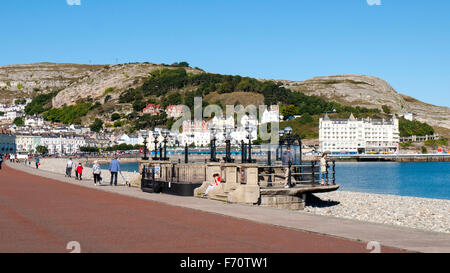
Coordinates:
280 144
156 145
226 135
213 145
165 134
249 130
145 135
186 154
288 134
288 138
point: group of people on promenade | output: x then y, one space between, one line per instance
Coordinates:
114 168
14 158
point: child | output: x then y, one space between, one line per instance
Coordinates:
213 184
79 171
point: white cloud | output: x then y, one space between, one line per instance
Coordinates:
73 2
374 2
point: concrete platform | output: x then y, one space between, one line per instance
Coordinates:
298 190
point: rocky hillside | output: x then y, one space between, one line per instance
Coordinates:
371 92
75 81
26 80
110 80
78 82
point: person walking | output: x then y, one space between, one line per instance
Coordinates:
69 167
79 172
323 169
96 170
1 161
114 168
36 159
287 160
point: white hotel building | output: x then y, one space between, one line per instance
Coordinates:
358 136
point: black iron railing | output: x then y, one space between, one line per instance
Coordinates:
307 173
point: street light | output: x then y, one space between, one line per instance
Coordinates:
156 145
288 130
145 135
226 135
280 144
249 130
165 134
213 145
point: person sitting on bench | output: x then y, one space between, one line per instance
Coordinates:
213 184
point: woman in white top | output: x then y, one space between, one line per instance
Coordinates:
97 171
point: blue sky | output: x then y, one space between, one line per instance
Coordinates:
405 42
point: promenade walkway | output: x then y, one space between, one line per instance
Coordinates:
38 213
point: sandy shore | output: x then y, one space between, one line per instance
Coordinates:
413 212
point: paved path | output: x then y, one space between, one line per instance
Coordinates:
41 214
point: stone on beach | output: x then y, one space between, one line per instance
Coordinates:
413 212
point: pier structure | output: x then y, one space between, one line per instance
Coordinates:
248 182
241 183
392 157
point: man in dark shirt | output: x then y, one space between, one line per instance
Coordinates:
287 160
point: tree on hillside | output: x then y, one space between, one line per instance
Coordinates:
19 121
408 128
289 110
20 101
386 109
115 116
180 64
97 125
139 105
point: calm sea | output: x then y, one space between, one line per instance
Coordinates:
418 179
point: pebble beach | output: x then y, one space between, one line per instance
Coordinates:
413 212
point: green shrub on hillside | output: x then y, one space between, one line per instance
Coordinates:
408 128
19 121
305 126
68 114
115 116
109 90
97 125
20 101
436 142
37 105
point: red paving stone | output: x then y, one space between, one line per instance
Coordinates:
42 215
